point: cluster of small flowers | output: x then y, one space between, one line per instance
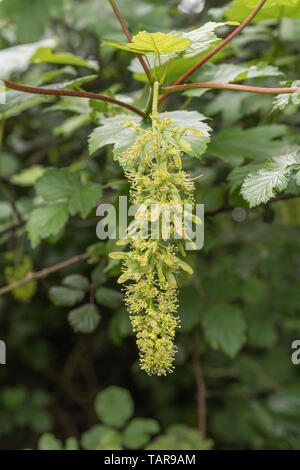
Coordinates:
154 168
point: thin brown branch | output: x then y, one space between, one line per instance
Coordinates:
201 390
79 94
217 48
43 273
229 86
129 37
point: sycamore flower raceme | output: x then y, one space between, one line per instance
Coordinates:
153 165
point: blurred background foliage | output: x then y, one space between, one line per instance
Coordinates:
62 389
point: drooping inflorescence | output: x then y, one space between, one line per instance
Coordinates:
160 189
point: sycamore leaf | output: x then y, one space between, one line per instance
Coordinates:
259 187
114 132
46 221
157 43
201 39
224 328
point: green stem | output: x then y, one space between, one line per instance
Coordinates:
155 106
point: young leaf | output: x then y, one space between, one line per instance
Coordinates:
157 43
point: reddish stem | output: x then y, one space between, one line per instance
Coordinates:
217 48
229 86
80 94
129 37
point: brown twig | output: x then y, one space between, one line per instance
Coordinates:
79 94
43 273
129 37
217 48
229 86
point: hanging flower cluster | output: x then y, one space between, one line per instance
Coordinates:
160 187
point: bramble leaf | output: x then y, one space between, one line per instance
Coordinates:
259 187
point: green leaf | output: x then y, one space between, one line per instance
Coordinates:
191 304
259 187
91 439
76 281
234 145
180 437
30 22
17 58
71 444
45 54
157 43
114 406
62 184
49 442
239 10
28 177
108 297
201 39
64 296
284 99
84 319
101 437
46 221
139 431
114 132
224 328
254 290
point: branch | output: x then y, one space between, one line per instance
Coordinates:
218 48
229 86
43 273
128 34
79 94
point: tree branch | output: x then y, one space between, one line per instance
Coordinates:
44 273
79 94
229 86
129 37
217 48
